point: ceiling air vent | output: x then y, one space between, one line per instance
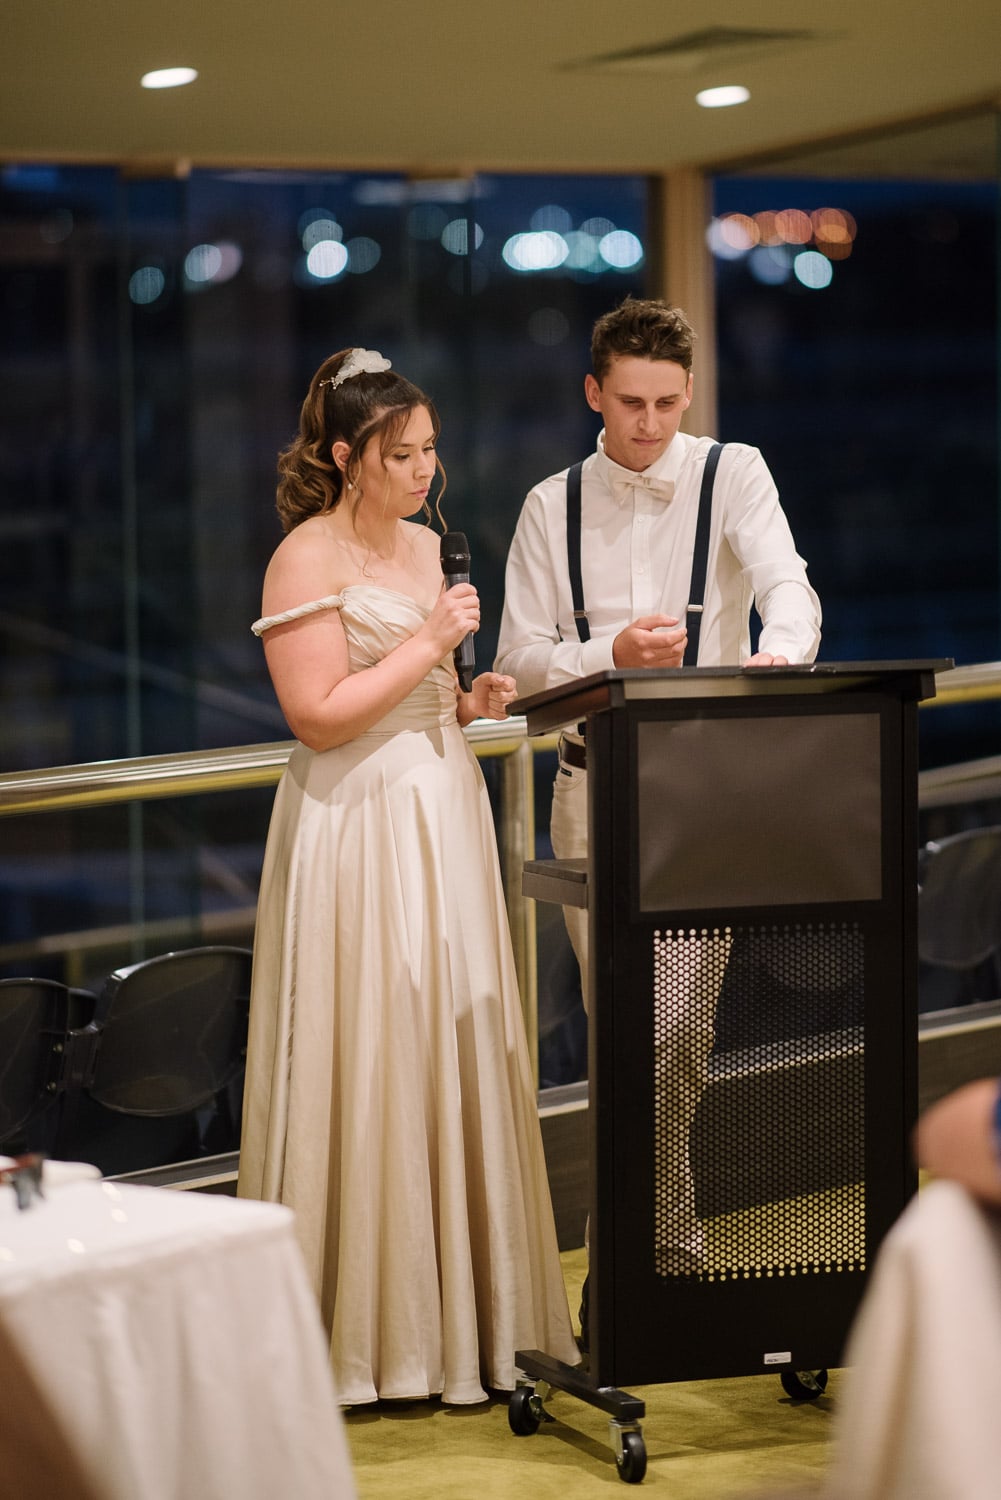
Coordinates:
698 50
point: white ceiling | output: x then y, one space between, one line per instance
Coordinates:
445 86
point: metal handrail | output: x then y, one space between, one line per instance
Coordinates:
973 780
949 786
197 771
972 684
141 778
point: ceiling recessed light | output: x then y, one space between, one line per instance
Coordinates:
722 98
168 78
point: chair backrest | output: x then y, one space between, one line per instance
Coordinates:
959 899
34 1023
173 1030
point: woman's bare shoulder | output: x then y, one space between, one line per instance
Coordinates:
307 564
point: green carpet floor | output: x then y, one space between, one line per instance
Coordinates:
707 1438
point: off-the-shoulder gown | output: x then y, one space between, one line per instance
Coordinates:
389 1096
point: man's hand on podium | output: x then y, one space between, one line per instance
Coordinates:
764 659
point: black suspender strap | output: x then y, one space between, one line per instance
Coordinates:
573 552
700 558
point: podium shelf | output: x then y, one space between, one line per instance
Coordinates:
563 881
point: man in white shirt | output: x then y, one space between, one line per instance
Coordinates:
639 506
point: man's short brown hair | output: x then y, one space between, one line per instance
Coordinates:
644 329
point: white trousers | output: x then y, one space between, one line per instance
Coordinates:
689 972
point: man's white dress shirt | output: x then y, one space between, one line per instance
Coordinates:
637 543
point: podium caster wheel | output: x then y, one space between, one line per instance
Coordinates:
804 1385
631 1463
524 1412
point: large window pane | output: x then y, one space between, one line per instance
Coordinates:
858 342
159 336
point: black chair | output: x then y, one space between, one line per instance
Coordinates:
37 1017
168 1044
959 919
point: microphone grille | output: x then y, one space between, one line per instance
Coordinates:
455 552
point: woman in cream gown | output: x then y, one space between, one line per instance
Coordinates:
389 1098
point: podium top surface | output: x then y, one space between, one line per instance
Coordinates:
570 701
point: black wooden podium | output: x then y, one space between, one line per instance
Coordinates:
753 845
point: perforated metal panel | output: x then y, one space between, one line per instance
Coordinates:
759 1101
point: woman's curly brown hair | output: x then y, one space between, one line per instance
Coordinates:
364 406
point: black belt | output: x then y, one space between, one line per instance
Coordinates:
573 754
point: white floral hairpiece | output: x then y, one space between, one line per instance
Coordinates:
358 362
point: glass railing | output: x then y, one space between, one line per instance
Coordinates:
217 872
239 768
974 780
81 828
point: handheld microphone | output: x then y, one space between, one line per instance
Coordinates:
455 566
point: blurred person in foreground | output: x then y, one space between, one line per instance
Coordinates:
916 1413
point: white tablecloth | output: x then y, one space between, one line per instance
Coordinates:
167 1345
